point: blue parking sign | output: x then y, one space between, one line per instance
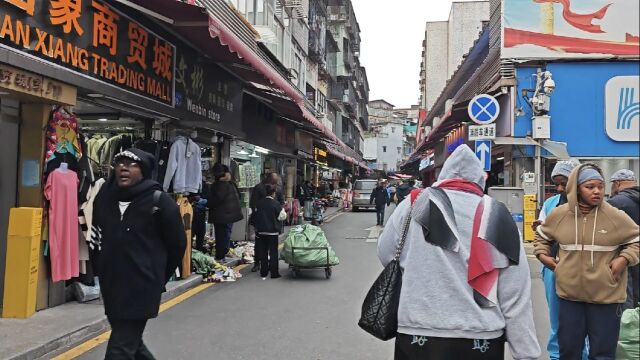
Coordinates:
483 109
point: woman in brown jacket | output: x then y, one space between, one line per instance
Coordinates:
597 244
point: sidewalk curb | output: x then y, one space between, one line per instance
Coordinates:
95 328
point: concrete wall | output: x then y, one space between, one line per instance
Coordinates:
436 56
465 24
370 148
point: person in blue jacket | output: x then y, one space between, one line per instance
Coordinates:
559 176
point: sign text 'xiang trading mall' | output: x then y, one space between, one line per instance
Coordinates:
94 39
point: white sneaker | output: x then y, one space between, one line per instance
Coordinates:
264 278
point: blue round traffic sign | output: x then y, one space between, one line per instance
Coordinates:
483 109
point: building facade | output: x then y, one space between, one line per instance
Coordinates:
443 49
385 141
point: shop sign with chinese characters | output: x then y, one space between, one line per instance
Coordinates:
482 132
94 39
320 155
25 83
206 90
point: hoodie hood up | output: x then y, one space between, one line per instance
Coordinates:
572 186
463 164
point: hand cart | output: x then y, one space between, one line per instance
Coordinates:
295 268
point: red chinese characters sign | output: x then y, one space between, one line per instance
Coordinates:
94 39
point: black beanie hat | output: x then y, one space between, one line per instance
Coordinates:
144 159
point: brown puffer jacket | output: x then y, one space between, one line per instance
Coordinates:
588 244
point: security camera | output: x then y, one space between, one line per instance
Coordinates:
549 85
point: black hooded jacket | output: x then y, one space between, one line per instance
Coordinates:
136 253
628 200
224 202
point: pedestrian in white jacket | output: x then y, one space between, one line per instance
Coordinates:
466 286
184 167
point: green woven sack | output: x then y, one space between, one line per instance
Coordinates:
307 236
629 340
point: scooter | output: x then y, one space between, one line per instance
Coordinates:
318 212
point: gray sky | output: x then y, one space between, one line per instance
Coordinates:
392 34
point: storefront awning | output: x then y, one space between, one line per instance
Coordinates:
555 148
199 27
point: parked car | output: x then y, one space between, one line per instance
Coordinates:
362 190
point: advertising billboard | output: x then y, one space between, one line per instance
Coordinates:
552 29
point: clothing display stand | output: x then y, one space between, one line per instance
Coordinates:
186 213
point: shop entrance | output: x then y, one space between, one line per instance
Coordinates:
9 135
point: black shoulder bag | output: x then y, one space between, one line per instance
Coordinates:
379 315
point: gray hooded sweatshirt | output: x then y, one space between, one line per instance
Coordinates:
436 299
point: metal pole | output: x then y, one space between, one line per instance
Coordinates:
539 176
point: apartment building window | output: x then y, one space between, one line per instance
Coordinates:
399 150
321 101
384 149
393 129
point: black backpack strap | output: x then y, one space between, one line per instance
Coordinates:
156 202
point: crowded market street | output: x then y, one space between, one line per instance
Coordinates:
320 179
289 318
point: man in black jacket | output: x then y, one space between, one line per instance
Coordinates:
380 196
137 242
268 227
625 195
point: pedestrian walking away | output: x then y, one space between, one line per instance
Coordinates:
625 195
404 190
224 208
466 288
380 196
268 218
597 243
559 176
137 242
258 193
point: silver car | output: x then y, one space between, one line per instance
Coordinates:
362 190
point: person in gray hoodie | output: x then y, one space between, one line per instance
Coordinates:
466 286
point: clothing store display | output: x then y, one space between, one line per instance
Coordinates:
184 170
62 134
186 214
61 190
163 160
153 147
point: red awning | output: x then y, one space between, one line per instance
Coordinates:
197 26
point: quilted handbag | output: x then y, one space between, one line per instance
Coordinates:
379 315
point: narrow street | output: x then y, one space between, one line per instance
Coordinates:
306 318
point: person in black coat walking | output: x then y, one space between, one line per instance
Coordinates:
137 242
268 222
625 195
258 193
380 196
224 208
